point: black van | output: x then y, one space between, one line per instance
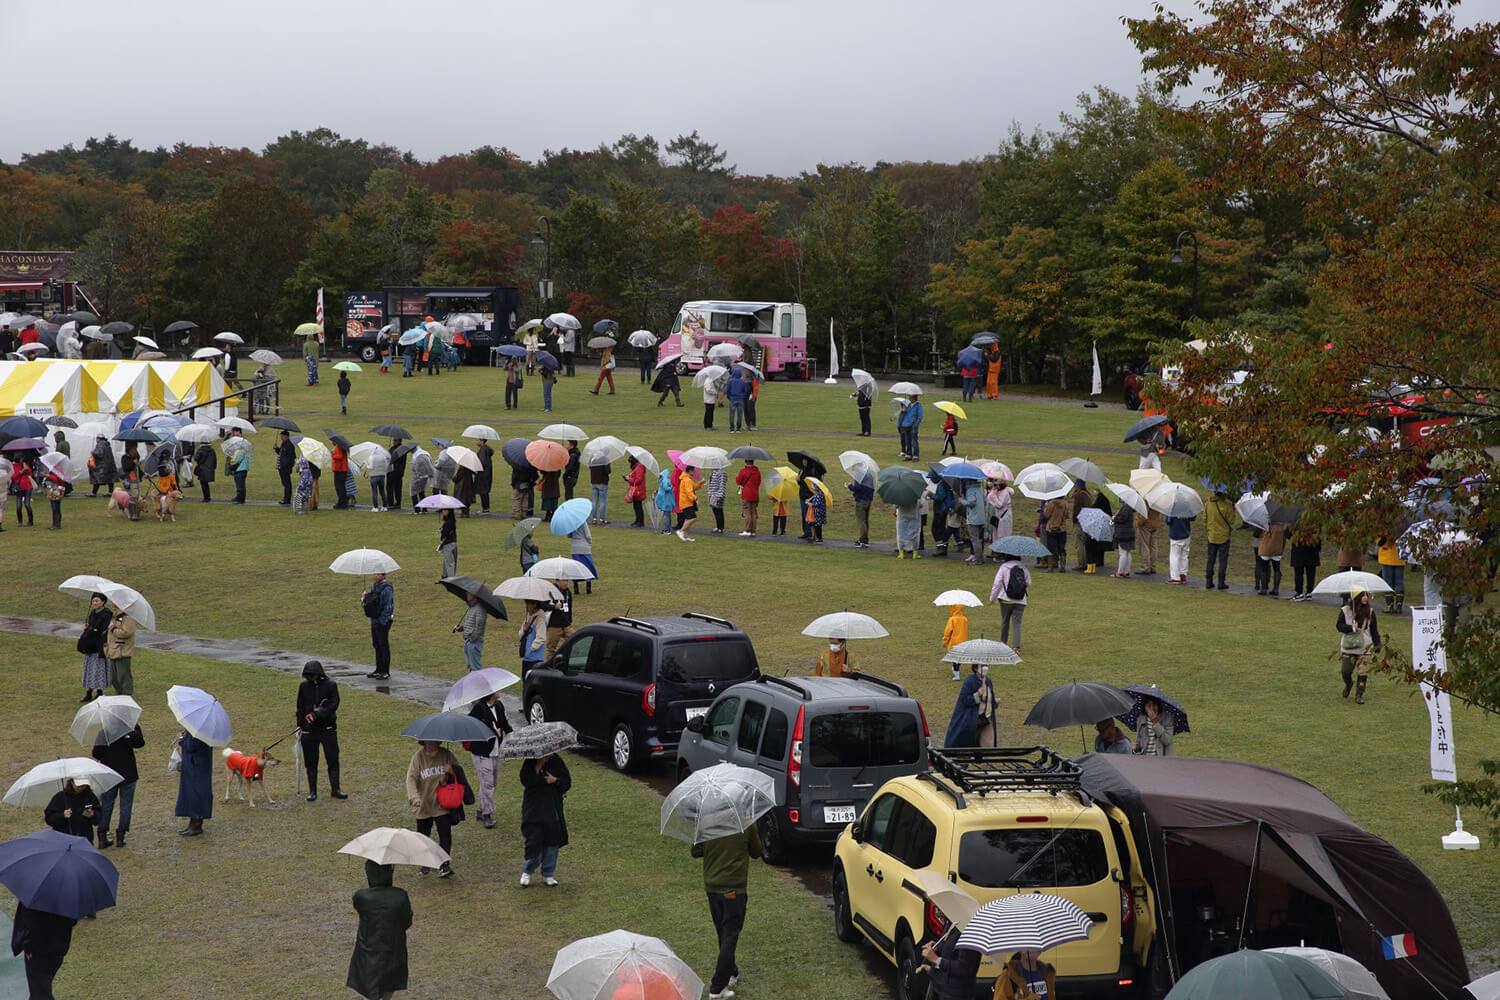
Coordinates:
632 684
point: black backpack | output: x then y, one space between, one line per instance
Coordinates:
371 602
1015 584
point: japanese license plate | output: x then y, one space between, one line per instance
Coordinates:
696 713
838 814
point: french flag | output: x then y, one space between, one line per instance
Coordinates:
1399 946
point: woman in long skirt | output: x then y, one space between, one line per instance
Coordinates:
91 645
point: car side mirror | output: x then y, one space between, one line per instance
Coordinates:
857 831
695 725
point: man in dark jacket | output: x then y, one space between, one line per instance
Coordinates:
377 968
394 477
382 598
726 876
119 755
485 480
317 726
74 810
952 969
205 464
286 459
570 471
43 939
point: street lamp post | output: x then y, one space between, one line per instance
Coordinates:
1187 236
543 237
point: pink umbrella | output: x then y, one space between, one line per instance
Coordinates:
675 457
548 456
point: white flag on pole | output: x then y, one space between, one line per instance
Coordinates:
1427 654
833 357
1098 385
319 318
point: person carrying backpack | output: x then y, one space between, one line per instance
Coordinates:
1012 581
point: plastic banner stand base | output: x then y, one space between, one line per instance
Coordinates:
1460 839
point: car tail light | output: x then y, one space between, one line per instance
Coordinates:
648 700
1031 819
794 759
794 815
934 920
926 733
1127 909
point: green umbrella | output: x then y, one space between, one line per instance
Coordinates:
898 486
1256 975
520 531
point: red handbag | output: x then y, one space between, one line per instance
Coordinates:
451 795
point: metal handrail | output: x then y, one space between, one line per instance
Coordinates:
240 391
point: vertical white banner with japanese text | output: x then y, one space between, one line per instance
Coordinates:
1427 654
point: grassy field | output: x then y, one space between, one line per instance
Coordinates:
1256 675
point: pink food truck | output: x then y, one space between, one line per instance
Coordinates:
773 334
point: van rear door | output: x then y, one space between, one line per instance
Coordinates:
692 673
852 749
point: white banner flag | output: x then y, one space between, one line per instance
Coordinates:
1427 654
319 319
1098 385
833 353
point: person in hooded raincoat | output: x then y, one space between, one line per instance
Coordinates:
956 631
378 966
195 784
666 499
102 469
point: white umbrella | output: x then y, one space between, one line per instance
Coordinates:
603 450
906 389
982 651
1486 987
861 467
560 568
475 685
710 373
846 625
463 321
229 338
37 786
1130 497
957 905
264 357
863 378
56 461
668 359
642 339
207 354
464 457
105 719
146 342
391 845
363 562
949 598
526 588
200 714
234 444
565 320
125 598
645 457
1175 500
725 352
706 456
35 347
563 432
1082 468
197 434
1143 481
718 801
94 332
1347 972
1348 580
237 423
1044 481
595 967
482 432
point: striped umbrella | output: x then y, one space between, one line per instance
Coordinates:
1033 921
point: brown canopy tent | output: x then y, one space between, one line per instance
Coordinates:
1247 856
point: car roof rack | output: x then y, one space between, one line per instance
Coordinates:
980 770
726 623
635 623
871 678
790 685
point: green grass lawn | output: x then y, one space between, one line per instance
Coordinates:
1256 675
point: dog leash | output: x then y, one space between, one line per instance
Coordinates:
292 733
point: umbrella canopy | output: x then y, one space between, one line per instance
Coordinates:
1347 581
548 361
520 530
1256 509
718 801
1486 987
139 434
644 457
265 357
528 326
1426 538
93 332
237 444
207 354
236 423
125 598
363 562
560 568
1170 705
706 456
1144 426
164 452
600 343
37 444
315 452
1096 524
477 684
1080 704
980 339
307 330
862 379
816 466
347 366
982 651
481 432
607 328
417 334
1255 975
818 484
462 586
710 373
178 326
565 320
1033 921
526 588
604 450
1175 500
514 452
116 328
549 456
1143 481
339 440
1082 468
845 625
440 502
948 598
906 389
957 905
538 740
953 408
998 471
387 430
1130 497
642 339
448 727
147 342
725 353
21 426
281 424
35 347
105 719
390 845
57 873
466 458
959 470
1044 481
668 359
37 786
197 434
571 515
970 356
898 486
622 964
200 714
228 337
1358 982
368 451
560 432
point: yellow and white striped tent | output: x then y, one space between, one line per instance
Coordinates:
187 382
34 386
58 386
125 386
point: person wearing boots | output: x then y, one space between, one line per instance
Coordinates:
195 784
317 726
119 755
1359 641
1393 572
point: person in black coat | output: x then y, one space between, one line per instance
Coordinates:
119 755
195 784
74 810
952 969
394 477
570 471
286 460
317 726
205 464
378 966
43 939
485 480
544 828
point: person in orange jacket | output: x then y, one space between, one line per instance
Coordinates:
956 631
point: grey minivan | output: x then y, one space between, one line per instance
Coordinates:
829 742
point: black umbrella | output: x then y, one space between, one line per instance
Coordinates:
402 450
138 434
338 439
1144 426
983 338
1169 704
116 328
164 452
818 470
281 424
48 337
83 317
459 586
514 452
750 453
392 431
1080 704
60 422
180 325
1286 514
448 727
748 342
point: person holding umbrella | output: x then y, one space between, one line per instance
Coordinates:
119 756
239 467
74 810
951 969
666 382
23 481
317 726
1359 640
687 502
635 490
1012 581
379 603
1154 730
485 480
205 464
102 471
726 877
544 826
992 359
286 462
119 647
1026 976
533 635
606 368
489 711
91 645
195 784
973 721
43 939
431 766
513 383
864 396
340 466
377 969
472 626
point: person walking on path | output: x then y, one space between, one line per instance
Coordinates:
379 603
910 426
687 503
119 756
195 784
1307 550
1146 529
950 436
487 754
955 631
1153 733
570 471
635 491
666 382
606 371
1012 583
710 401
317 726
544 826
1359 641
1268 552
1180 539
378 465
738 392
864 396
344 385
863 492
286 461
973 721
102 470
816 517
91 645
205 465
431 766
1219 518
472 626
599 492
119 647
302 499
726 879
43 940
1124 539
377 969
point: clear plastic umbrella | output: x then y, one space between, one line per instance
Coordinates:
37 786
948 598
622 964
560 568
718 801
265 357
196 434
1044 481
706 456
237 423
105 719
563 432
1175 500
525 588
725 353
565 320
653 467
229 338
906 389
860 466
1129 497
207 354
863 378
603 450
483 432
846 625
125 598
390 845
363 562
642 339
710 373
476 685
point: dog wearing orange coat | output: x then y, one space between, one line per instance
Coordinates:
245 771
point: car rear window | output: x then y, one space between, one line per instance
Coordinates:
1022 859
688 662
864 739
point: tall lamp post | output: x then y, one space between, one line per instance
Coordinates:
543 237
1186 236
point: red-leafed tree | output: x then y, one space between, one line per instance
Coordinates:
471 253
749 264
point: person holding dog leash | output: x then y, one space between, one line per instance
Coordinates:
317 725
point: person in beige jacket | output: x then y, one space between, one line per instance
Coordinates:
1145 541
119 646
432 765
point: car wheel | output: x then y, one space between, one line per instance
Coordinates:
683 771
368 354
773 846
909 984
622 748
536 712
843 920
682 369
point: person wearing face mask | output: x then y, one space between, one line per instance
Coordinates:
973 721
835 661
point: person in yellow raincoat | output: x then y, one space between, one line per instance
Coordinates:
956 631
992 358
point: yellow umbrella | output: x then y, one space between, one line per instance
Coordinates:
953 408
315 452
784 490
307 330
818 483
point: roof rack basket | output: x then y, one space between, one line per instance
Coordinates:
978 770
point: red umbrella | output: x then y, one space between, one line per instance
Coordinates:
549 456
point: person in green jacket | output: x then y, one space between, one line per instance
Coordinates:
726 875
377 969
1219 517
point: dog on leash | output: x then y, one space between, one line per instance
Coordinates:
245 771
166 505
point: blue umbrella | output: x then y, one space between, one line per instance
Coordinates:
58 873
442 442
970 356
961 470
548 361
571 515
512 350
23 427
1020 546
138 434
514 452
607 327
448 727
415 335
200 714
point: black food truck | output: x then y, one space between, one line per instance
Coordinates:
491 310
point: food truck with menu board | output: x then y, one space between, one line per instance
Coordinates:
492 309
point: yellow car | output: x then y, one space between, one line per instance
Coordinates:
995 821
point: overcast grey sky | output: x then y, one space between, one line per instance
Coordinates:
780 85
